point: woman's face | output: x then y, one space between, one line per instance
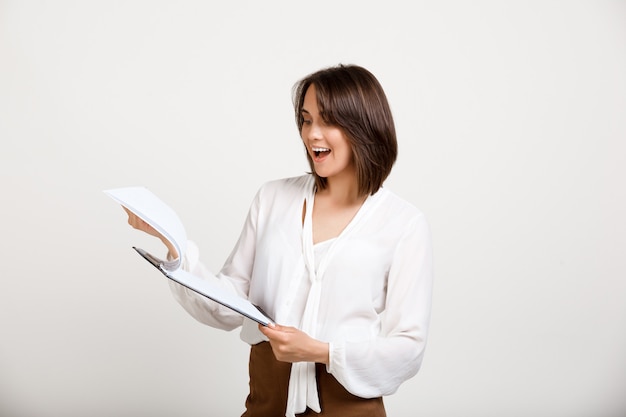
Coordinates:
326 144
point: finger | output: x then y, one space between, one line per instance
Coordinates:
273 331
277 328
267 329
132 218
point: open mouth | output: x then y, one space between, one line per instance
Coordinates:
320 152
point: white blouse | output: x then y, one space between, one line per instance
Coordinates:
366 292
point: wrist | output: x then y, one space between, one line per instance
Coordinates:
322 355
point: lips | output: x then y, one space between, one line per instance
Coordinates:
320 153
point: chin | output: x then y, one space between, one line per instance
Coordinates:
321 174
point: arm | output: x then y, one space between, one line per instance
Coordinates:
379 365
234 277
240 261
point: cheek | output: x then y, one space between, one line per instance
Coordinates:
346 150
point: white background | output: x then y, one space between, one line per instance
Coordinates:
511 124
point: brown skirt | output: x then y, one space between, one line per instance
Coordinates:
269 382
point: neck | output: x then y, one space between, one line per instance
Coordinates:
343 191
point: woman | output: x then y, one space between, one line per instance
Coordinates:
341 263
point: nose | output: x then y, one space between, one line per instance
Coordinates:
314 132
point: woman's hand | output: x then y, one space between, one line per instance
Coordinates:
292 345
141 225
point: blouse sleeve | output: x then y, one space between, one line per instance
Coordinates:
377 367
234 277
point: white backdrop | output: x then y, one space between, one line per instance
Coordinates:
511 123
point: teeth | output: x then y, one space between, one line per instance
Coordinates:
320 149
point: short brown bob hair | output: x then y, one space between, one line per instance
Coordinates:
349 96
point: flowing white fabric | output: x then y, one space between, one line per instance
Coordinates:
302 382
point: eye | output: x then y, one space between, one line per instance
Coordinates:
306 122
